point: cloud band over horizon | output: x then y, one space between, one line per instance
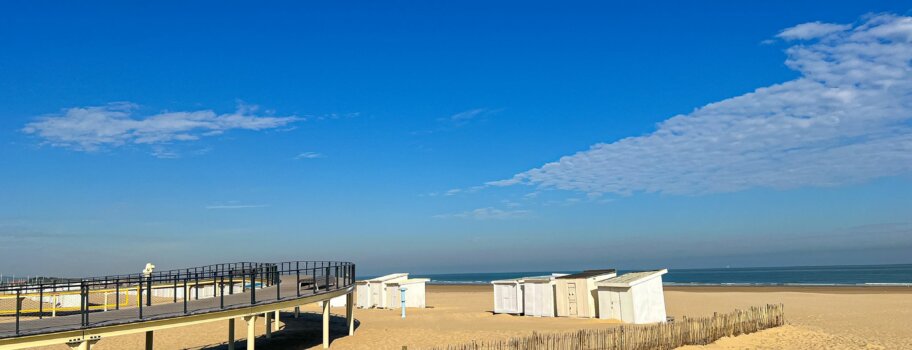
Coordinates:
847 119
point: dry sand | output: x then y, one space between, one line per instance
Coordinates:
819 318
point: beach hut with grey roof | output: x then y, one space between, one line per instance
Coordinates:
635 297
538 295
576 294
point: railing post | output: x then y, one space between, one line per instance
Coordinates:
18 308
117 294
313 275
149 291
139 296
326 274
222 293
87 306
196 286
253 286
243 281
186 293
298 279
175 291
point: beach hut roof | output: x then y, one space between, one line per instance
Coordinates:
507 281
588 273
388 277
410 281
632 279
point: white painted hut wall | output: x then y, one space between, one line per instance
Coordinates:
538 299
338 301
648 302
508 298
414 295
362 291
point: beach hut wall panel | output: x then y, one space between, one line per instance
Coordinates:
635 297
576 295
338 301
376 290
362 292
414 293
538 295
508 296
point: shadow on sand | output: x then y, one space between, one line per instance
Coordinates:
303 332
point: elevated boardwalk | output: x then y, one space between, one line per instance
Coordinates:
282 288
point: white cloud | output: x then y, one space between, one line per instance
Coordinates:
114 124
488 213
847 119
309 155
811 30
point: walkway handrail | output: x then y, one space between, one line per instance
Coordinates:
311 276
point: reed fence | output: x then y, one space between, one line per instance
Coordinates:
670 335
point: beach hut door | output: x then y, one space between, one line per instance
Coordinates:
571 298
614 305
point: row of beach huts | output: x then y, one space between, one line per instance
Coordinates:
635 297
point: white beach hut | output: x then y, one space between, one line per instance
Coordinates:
363 294
414 293
635 297
538 295
372 292
576 295
508 296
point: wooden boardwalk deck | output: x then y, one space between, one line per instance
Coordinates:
264 296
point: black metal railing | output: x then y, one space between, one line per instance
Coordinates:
172 287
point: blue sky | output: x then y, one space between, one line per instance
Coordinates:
454 137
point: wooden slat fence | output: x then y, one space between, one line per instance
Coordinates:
670 335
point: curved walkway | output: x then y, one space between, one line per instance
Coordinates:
287 288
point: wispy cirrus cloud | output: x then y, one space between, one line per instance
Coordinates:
116 124
847 119
309 155
487 213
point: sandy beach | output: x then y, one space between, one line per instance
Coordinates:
818 317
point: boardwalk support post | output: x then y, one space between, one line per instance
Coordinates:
251 331
268 321
326 324
349 309
149 340
231 334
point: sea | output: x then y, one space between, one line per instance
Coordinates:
848 275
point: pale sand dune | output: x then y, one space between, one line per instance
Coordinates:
820 318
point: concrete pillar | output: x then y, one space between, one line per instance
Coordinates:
148 340
326 325
349 310
251 331
297 311
231 334
276 319
268 325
